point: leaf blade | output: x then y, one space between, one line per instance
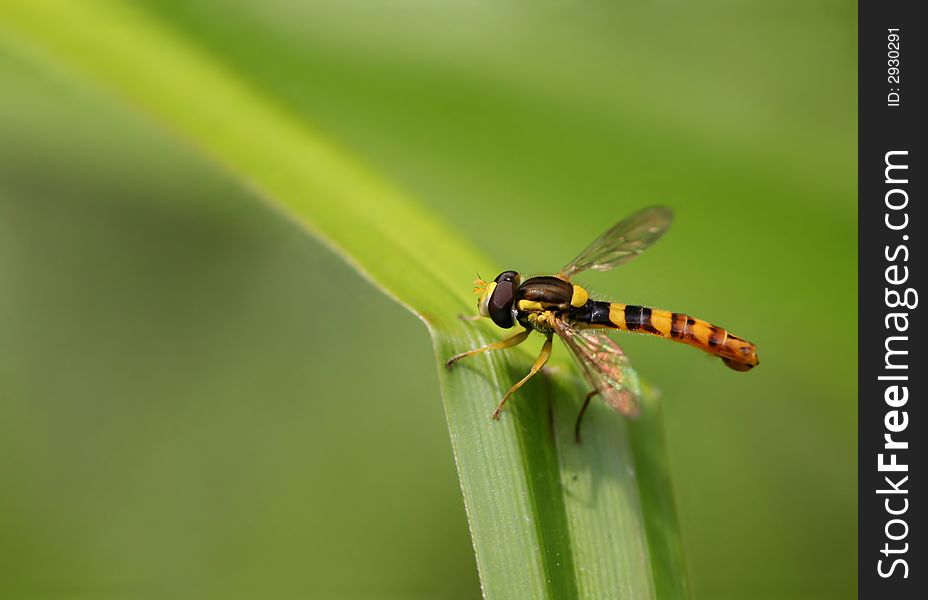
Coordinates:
548 518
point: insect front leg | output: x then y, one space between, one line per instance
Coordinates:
507 343
539 363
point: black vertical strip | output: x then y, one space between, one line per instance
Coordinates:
645 324
600 314
593 313
891 228
632 317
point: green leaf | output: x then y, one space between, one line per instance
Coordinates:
549 518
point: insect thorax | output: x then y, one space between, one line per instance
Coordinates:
540 299
544 293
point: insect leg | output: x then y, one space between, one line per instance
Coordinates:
586 402
539 363
507 343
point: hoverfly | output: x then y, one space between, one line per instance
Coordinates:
555 305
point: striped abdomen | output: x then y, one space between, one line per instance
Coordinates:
735 352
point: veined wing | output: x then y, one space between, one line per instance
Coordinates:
627 239
604 365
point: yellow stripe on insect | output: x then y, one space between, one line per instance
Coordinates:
579 297
617 315
701 331
662 320
529 305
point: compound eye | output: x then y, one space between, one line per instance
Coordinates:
500 302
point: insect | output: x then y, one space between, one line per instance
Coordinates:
554 305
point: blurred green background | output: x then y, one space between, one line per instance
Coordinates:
197 399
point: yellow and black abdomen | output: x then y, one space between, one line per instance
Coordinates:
735 352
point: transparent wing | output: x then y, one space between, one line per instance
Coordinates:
604 365
627 239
